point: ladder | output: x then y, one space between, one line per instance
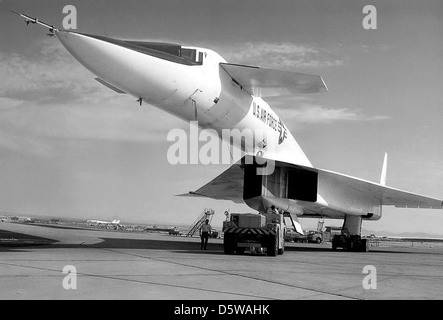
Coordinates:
320 224
294 221
206 214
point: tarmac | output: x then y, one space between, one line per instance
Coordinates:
153 266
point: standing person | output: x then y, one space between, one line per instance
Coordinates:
205 230
273 209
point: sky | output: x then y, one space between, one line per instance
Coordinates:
70 147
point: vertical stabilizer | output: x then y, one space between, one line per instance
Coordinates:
383 170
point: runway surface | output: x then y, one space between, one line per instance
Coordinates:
123 265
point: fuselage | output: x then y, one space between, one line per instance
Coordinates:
189 83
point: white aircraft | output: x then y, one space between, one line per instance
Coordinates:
104 222
195 83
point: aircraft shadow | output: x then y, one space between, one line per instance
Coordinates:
18 241
24 242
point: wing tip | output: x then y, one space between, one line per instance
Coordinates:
186 194
324 84
265 82
384 170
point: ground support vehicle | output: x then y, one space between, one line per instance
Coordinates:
257 232
294 236
315 236
174 232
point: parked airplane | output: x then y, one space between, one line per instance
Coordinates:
198 84
104 222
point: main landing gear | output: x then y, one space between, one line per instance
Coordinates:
350 238
350 243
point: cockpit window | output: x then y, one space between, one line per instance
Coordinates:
191 55
172 52
159 46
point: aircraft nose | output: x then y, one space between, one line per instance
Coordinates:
108 59
123 65
90 52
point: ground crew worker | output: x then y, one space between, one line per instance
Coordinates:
205 230
273 209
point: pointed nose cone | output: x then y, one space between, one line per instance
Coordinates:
137 68
93 53
75 43
109 59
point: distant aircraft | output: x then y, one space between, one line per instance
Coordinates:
195 83
104 222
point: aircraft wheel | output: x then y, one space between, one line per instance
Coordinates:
229 244
282 250
350 245
273 246
364 245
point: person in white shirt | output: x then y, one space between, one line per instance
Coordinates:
273 209
205 230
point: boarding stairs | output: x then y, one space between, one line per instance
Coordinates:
206 214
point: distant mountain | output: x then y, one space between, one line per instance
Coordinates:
419 235
401 234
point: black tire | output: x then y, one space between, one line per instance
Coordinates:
349 245
364 245
273 246
229 244
318 240
282 250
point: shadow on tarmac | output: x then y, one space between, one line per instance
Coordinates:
25 240
18 242
10 239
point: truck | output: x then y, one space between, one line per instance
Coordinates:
214 234
292 235
264 231
330 232
174 231
315 236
